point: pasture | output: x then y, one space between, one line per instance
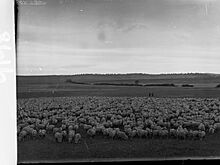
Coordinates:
35 92
56 86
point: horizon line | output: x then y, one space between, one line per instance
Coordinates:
132 73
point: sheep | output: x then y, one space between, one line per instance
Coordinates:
211 130
116 122
77 138
201 127
217 126
126 127
56 130
195 134
87 127
191 134
34 133
133 133
76 127
140 132
91 132
54 121
58 137
217 119
45 121
64 133
155 133
181 133
122 135
201 134
112 133
108 124
41 126
32 126
22 135
70 127
99 128
163 133
28 129
71 135
173 132
18 130
42 132
50 127
63 126
104 131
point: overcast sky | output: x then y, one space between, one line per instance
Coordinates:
118 36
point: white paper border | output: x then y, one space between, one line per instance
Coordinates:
8 144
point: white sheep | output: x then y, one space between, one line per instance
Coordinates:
64 133
217 126
34 133
201 134
173 132
99 128
28 129
140 132
70 127
56 130
163 133
122 135
155 133
50 127
42 132
181 133
91 132
133 133
211 130
76 127
77 138
104 131
54 121
87 127
22 135
63 126
59 137
112 133
201 127
195 134
71 135
18 130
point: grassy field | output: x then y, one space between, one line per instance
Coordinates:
102 148
56 86
91 90
93 148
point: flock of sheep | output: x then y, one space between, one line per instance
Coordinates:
72 118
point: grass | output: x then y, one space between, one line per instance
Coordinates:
60 90
102 148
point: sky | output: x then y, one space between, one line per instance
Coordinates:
118 36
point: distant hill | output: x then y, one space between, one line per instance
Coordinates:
134 75
188 78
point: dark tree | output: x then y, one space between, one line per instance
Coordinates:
68 80
136 82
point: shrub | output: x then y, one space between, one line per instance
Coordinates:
68 80
74 82
173 85
187 85
218 86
